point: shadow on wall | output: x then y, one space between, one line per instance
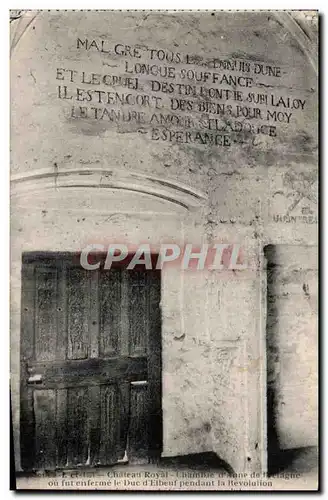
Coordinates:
198 461
301 459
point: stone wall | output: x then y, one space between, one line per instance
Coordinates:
292 337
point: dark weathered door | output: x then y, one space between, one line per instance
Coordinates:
90 364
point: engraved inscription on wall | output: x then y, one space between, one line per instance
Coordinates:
175 97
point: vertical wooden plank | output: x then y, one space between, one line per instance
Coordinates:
138 313
94 327
27 352
61 434
45 313
110 311
124 416
109 425
61 347
78 441
125 314
95 434
94 391
27 427
78 288
27 311
45 428
154 365
138 446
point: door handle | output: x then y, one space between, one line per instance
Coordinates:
139 383
36 378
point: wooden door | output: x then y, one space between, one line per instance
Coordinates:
90 364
